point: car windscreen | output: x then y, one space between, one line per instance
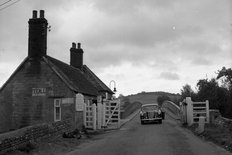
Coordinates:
150 108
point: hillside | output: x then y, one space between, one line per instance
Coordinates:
151 97
131 103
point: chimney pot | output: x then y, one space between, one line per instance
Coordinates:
37 37
73 45
34 14
78 45
76 56
41 13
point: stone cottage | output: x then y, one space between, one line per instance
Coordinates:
43 89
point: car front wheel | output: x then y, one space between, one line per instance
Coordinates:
142 122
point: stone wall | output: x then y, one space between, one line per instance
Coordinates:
224 123
213 115
19 138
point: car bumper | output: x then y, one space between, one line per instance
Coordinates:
151 119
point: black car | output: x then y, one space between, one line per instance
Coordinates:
151 113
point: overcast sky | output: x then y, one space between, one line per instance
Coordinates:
144 45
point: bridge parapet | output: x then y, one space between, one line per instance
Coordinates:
172 109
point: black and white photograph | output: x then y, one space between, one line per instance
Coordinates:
116 77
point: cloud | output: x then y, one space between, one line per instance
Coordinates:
201 61
169 76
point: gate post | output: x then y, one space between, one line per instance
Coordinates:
104 113
84 115
99 115
94 116
201 124
189 111
207 111
99 112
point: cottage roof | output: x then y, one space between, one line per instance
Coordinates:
84 81
99 85
73 77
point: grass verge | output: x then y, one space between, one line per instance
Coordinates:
220 136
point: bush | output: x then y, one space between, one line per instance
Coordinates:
28 147
162 98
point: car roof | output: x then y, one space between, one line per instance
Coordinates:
150 104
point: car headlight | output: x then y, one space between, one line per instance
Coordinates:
159 112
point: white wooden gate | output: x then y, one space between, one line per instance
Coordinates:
90 115
200 109
111 113
105 115
194 110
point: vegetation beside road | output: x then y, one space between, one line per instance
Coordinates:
217 90
220 136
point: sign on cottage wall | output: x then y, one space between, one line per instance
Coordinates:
79 102
38 91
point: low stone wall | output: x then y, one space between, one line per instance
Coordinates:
19 138
224 123
213 115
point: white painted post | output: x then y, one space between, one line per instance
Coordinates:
99 115
84 114
103 113
189 111
201 124
94 116
207 111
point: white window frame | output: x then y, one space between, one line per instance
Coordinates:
57 103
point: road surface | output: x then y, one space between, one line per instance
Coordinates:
150 139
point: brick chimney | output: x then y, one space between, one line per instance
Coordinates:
37 41
76 55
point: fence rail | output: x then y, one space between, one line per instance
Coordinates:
200 109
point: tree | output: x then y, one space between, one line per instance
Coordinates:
223 98
120 96
208 90
226 77
187 91
162 98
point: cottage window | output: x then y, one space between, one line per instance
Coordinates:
57 110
